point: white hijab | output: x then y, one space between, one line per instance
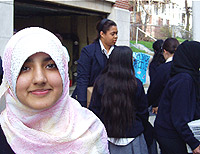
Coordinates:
64 128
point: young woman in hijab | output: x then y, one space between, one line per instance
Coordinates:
162 74
157 58
118 99
179 103
93 58
40 116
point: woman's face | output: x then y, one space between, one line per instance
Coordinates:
110 37
39 84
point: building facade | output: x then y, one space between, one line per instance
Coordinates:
161 18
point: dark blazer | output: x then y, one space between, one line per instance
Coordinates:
4 146
91 62
1 71
141 105
157 60
152 69
177 107
158 83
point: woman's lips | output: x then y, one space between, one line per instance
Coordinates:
40 92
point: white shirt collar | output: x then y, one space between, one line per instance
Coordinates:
120 141
103 49
169 59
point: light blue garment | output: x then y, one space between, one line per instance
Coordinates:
140 63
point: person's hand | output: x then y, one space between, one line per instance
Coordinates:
197 150
155 110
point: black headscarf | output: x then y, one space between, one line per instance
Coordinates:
187 59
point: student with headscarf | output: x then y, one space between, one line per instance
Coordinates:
40 116
94 57
118 99
179 102
162 74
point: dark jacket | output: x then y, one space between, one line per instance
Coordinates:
91 62
4 146
158 84
141 109
157 60
177 107
1 71
152 69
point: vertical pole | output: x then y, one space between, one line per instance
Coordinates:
136 35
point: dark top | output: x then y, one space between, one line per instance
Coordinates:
157 60
158 84
91 62
177 107
4 146
152 69
1 71
141 109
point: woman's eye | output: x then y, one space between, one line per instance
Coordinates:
24 69
50 66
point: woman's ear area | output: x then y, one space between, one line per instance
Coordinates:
101 33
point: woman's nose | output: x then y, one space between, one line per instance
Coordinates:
39 76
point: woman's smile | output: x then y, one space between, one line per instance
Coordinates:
40 92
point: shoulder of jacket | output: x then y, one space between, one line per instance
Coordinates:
91 46
183 76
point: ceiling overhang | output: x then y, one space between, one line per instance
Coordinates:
54 8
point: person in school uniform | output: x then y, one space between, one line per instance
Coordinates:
179 103
118 99
94 57
162 74
158 58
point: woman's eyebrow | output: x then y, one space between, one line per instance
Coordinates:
28 60
47 59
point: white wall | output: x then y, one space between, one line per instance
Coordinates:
6 29
6 26
195 20
122 19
